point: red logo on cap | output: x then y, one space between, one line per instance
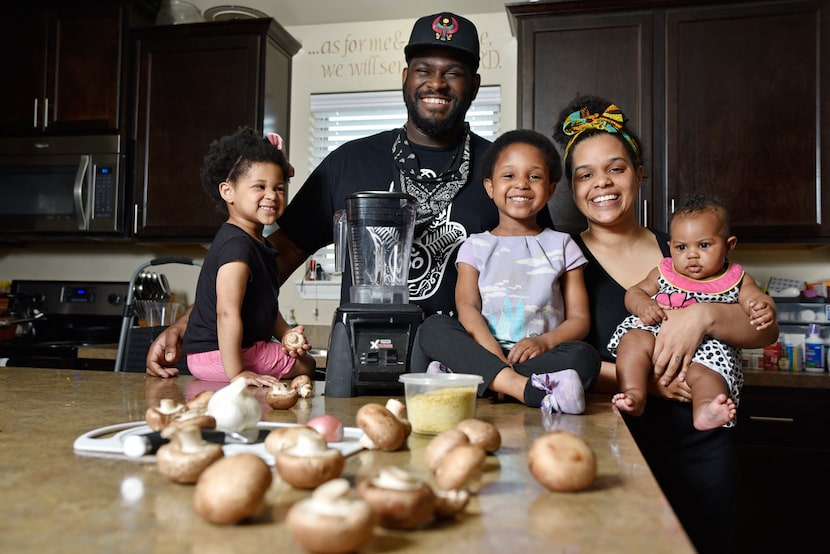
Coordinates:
444 27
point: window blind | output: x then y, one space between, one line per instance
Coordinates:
340 117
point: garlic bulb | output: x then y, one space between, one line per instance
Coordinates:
234 408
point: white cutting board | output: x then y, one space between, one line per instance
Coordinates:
108 441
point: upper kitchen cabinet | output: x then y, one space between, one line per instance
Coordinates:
193 84
731 98
63 61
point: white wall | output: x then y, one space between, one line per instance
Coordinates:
342 58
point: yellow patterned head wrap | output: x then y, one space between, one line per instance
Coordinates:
610 121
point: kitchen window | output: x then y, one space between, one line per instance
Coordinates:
340 117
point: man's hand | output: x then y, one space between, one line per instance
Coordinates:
165 352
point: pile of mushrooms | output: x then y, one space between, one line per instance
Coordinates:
456 457
333 519
283 396
384 427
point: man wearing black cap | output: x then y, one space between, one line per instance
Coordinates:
434 157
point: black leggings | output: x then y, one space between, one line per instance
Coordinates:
443 338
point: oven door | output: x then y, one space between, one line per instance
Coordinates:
61 184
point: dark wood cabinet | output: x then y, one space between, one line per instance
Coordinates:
783 446
731 98
64 66
192 85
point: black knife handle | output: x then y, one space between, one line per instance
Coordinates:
136 446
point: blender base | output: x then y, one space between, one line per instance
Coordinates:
369 348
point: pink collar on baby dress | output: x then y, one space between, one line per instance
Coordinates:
716 285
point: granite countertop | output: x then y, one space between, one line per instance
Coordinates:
54 497
798 379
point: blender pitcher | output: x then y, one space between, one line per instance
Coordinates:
372 335
378 228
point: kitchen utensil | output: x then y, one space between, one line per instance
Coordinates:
8 322
108 441
136 446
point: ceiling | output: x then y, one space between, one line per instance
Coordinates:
314 12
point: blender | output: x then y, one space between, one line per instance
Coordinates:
372 335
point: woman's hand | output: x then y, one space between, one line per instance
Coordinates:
680 335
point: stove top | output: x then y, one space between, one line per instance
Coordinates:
77 313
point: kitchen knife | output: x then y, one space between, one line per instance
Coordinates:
136 446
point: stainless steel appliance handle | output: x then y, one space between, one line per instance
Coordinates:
78 193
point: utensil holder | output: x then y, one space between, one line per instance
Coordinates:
139 340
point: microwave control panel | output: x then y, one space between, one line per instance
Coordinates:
105 187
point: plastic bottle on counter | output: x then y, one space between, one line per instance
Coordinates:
792 353
814 355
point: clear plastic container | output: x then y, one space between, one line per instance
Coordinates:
437 402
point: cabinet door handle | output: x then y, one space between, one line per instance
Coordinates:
45 112
34 122
645 213
771 418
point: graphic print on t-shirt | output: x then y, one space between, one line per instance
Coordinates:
431 253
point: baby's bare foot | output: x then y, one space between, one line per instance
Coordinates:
629 402
714 414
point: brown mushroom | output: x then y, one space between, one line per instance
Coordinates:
382 429
189 418
304 385
187 455
232 488
310 462
562 461
461 468
200 401
442 443
293 340
283 438
449 504
281 396
482 433
330 521
160 416
399 500
398 408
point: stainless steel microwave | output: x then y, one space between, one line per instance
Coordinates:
63 184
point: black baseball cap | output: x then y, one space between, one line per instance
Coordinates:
445 30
